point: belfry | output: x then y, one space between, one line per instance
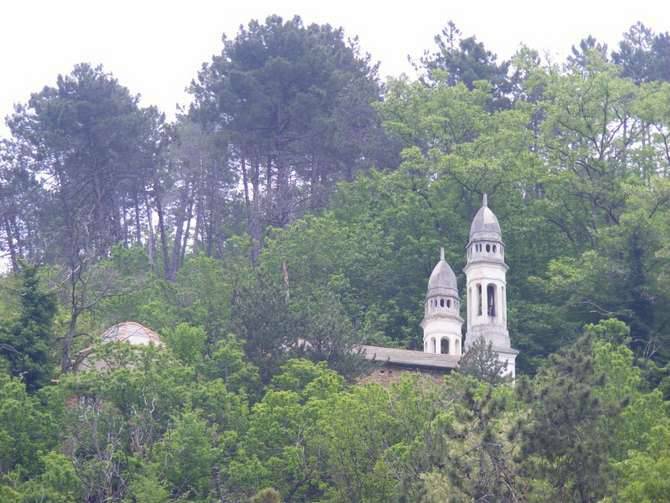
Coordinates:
442 321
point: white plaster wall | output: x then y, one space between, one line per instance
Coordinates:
485 273
511 363
438 327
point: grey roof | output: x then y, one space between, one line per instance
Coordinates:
410 358
485 224
442 280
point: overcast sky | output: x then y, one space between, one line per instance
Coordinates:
156 47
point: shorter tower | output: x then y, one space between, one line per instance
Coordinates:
442 323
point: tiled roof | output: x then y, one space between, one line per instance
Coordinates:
408 357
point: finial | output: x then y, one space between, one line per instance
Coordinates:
441 253
485 200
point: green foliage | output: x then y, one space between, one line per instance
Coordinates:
268 495
289 157
26 344
481 362
574 414
644 473
27 431
58 482
228 363
187 342
185 457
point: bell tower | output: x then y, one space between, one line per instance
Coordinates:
442 323
486 285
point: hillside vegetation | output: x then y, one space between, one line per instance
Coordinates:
294 211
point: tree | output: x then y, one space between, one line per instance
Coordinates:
276 324
96 146
22 209
472 458
268 495
589 52
27 343
26 429
643 55
186 457
481 362
465 60
293 104
561 441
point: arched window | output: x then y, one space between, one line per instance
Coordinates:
488 248
444 346
441 302
448 303
495 249
491 300
479 300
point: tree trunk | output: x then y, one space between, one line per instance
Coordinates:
138 227
189 217
163 236
10 245
151 245
75 271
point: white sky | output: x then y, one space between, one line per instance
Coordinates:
156 47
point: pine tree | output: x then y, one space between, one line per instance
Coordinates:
562 442
25 344
483 363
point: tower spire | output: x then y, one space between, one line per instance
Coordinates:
442 253
485 200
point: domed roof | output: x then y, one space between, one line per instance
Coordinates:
128 332
485 224
133 333
442 280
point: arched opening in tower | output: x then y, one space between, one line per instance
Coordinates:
479 300
444 346
491 300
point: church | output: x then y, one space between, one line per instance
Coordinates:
485 315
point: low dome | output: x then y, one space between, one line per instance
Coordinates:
485 225
133 333
442 280
128 332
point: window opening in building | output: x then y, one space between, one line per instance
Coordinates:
479 300
491 300
444 346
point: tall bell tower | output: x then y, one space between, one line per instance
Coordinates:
486 286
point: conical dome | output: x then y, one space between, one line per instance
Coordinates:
442 280
485 225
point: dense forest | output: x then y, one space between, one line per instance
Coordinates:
294 211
